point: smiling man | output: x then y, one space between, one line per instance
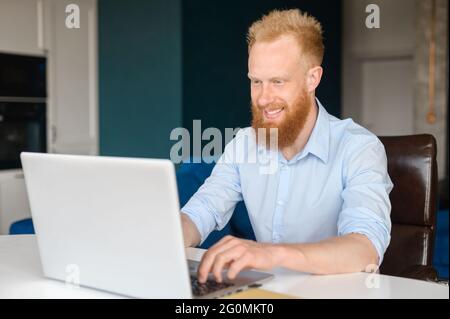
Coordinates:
325 209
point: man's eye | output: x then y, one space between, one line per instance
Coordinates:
256 82
278 82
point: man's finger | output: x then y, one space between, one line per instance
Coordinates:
225 258
238 265
208 258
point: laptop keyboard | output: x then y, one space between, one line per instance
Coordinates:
200 289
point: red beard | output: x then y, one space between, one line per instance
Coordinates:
291 125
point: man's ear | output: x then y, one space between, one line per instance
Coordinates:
313 77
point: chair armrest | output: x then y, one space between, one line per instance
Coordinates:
420 272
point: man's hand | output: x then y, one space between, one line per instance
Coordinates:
345 254
236 255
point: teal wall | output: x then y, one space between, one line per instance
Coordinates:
139 76
165 63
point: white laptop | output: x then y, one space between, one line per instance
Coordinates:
113 224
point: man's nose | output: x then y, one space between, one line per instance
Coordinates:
266 96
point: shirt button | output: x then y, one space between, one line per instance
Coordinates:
280 203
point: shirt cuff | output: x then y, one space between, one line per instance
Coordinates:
202 220
375 242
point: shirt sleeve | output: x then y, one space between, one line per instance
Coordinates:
212 206
366 206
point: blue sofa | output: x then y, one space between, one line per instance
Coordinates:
190 176
440 257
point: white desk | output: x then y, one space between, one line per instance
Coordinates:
21 277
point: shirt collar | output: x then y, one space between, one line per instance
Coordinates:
319 141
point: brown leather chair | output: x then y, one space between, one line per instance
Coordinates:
413 170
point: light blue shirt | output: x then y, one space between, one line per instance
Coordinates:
338 184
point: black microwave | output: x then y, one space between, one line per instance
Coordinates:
22 129
23 109
22 76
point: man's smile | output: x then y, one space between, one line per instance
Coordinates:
272 114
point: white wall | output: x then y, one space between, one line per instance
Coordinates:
378 66
382 68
